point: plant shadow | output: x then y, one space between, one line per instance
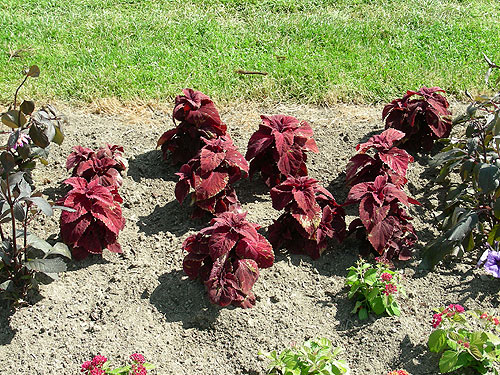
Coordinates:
173 217
151 165
6 331
252 190
182 300
416 359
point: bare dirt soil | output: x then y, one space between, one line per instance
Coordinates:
141 301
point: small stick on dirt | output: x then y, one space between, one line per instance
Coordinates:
239 71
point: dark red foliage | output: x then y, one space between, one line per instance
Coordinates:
104 165
278 149
198 118
387 160
226 257
386 223
96 221
211 173
423 119
311 217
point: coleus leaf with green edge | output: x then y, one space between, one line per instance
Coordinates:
382 219
387 159
198 118
422 115
210 174
105 165
311 217
96 220
278 148
226 257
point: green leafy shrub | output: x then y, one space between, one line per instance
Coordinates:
470 214
24 256
374 288
314 357
465 339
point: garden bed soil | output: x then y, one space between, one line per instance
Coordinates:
141 301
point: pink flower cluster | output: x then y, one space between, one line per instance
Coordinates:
448 312
490 318
390 289
94 367
398 372
386 276
138 364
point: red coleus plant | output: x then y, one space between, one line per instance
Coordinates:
226 256
104 165
382 220
96 220
278 149
211 173
423 119
198 118
311 217
387 160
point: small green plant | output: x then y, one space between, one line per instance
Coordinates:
99 365
374 288
314 357
465 339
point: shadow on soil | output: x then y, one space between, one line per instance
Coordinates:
173 218
252 190
182 300
6 332
408 353
151 165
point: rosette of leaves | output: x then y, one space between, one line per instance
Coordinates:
422 115
96 220
386 160
314 357
278 148
198 118
311 217
24 257
470 214
31 131
226 257
382 220
105 165
210 174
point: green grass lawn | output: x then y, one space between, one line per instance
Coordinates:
314 51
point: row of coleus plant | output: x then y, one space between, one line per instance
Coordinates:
96 217
377 174
227 255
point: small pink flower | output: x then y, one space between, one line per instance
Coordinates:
436 320
390 289
386 276
138 370
456 308
138 358
99 360
483 316
496 321
466 345
86 366
97 371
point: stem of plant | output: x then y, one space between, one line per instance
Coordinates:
15 95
